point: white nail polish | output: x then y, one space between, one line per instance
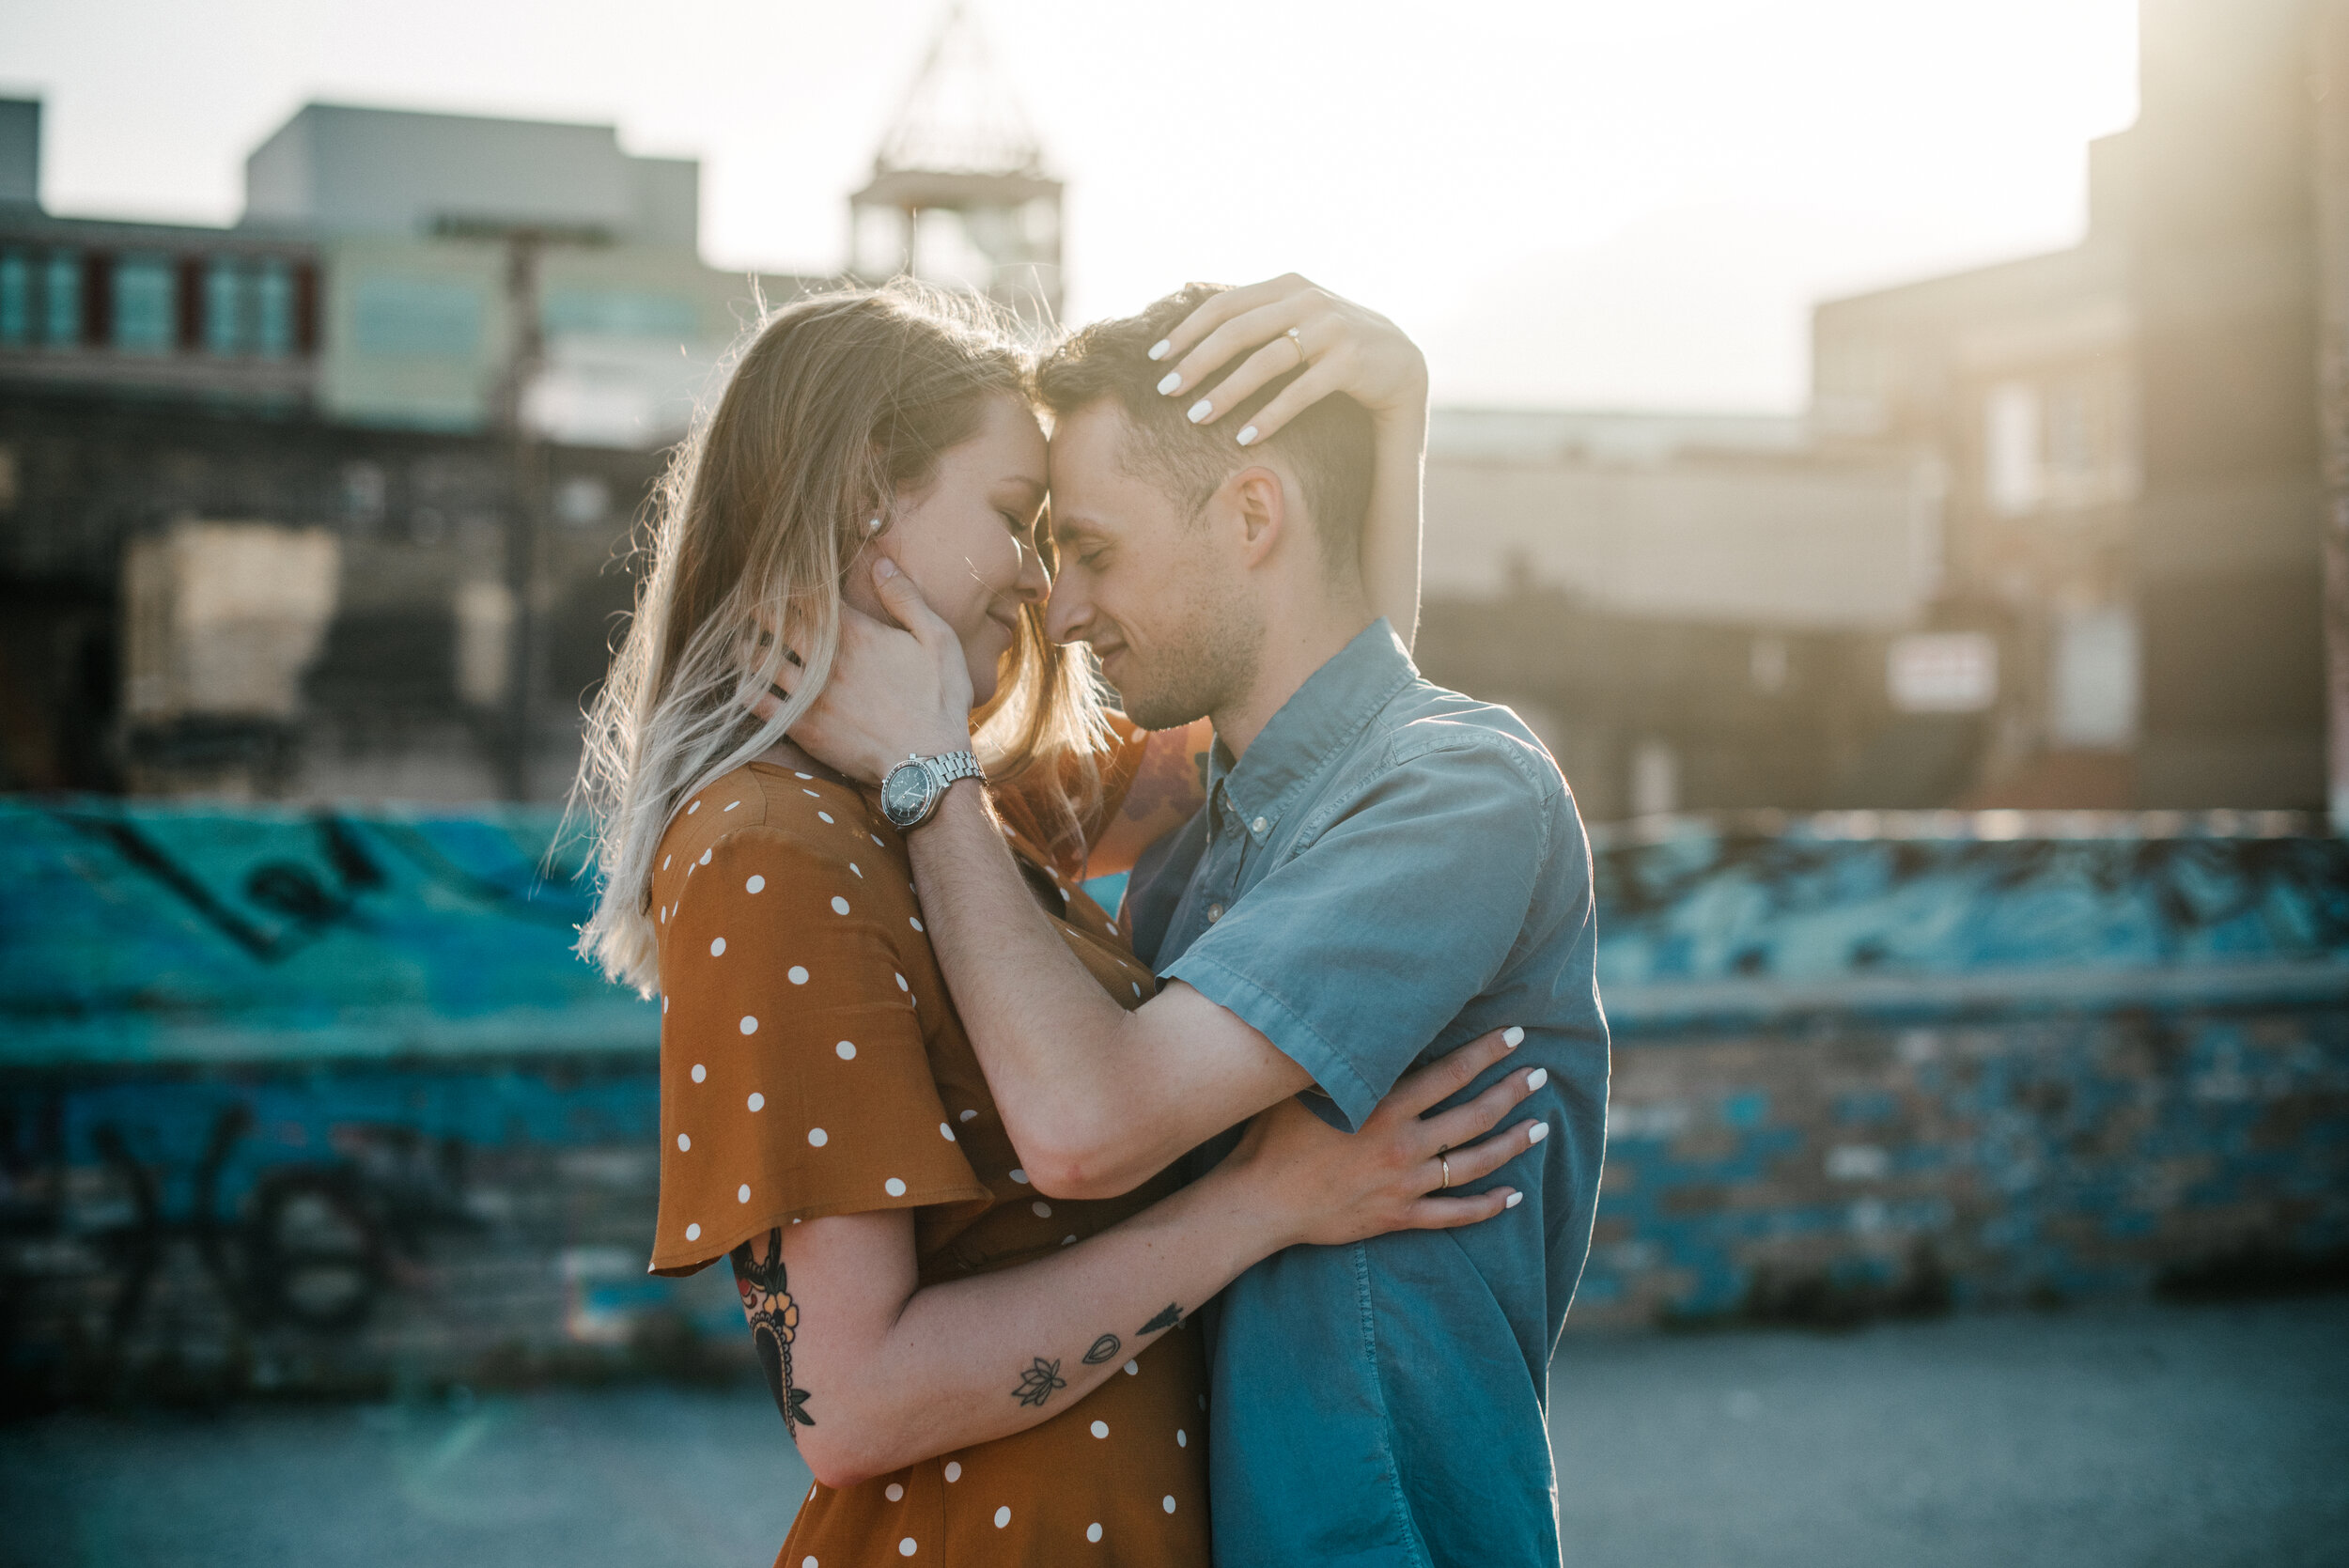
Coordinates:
1539 1131
1199 411
1169 381
1538 1076
1158 351
1513 1200
1513 1036
1248 435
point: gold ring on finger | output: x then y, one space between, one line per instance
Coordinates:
1446 1166
1298 337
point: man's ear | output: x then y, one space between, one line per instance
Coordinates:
1262 504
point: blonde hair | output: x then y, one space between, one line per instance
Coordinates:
836 406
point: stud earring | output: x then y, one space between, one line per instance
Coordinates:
872 527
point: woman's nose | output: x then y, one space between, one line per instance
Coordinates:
1034 584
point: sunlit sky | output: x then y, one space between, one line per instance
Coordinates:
1628 204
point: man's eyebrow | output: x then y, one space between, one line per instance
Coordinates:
1065 528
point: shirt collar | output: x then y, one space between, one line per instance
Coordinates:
1336 703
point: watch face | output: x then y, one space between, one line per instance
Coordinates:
906 793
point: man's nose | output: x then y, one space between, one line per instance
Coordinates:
1066 616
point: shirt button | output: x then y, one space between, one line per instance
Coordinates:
1215 912
1258 824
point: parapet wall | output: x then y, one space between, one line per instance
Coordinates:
316 1101
1867 1067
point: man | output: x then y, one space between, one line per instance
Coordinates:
1384 870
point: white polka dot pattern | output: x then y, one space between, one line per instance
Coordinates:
865 1107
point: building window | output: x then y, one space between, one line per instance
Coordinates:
413 317
16 298
143 290
225 307
2012 475
272 309
61 299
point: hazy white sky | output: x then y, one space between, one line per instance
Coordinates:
1625 203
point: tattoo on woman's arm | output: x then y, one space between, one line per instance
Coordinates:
1039 1383
1105 1348
1170 1318
774 1319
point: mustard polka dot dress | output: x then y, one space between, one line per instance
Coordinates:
812 1064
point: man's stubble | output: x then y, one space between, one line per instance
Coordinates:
1210 659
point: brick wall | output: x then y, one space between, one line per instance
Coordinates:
1860 1067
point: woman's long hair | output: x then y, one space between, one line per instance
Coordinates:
836 407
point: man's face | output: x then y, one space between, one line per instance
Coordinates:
1157 592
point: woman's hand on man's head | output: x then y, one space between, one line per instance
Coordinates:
896 691
1280 324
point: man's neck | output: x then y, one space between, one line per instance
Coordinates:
1296 644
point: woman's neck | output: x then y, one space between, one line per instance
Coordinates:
786 754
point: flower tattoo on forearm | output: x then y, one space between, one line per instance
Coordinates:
774 1320
1039 1383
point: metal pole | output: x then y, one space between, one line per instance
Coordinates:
2329 49
526 565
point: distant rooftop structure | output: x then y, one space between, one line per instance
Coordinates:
1625 437
19 151
338 169
959 194
960 115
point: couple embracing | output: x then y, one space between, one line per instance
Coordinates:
1241 1224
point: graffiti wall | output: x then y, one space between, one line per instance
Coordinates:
317 1101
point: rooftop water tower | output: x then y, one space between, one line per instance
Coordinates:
959 194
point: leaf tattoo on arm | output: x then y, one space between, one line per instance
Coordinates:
1170 1318
1105 1348
774 1320
1039 1382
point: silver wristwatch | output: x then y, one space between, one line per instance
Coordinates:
913 788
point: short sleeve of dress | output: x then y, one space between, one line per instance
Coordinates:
794 1080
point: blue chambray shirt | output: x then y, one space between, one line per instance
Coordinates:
1392 870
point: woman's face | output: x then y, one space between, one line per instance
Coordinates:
968 539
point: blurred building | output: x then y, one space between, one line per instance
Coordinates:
2131 433
422 387
295 454
1693 611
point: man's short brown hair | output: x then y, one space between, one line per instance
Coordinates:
1331 444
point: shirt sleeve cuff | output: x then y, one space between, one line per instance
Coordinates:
1278 1022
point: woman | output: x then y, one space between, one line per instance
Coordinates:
974 1370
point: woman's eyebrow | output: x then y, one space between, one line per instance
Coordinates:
1034 486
